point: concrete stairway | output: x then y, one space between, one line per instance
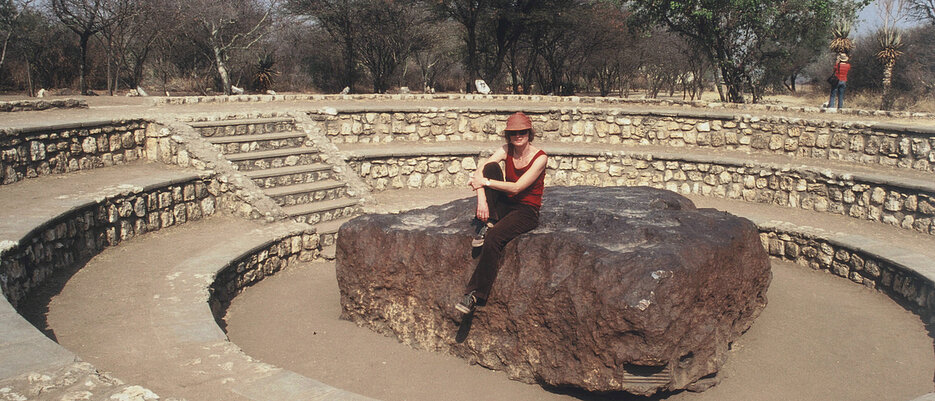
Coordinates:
282 161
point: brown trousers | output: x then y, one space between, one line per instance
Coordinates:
510 220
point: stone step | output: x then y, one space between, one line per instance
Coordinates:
261 160
317 212
243 126
328 231
307 193
290 175
329 252
331 227
259 142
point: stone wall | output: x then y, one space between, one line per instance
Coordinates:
260 263
55 149
851 195
575 100
76 236
415 172
869 269
867 143
35 105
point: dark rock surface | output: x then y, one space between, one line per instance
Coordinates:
620 288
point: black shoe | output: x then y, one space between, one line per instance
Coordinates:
480 233
467 304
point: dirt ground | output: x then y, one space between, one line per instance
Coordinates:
820 338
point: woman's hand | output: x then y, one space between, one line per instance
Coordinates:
482 212
476 183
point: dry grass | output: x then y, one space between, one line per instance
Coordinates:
866 100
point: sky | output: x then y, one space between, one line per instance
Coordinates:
870 20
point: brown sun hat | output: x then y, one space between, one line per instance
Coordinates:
842 57
518 122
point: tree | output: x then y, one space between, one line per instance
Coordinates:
393 31
10 13
490 30
468 14
121 27
139 38
604 63
83 17
741 37
45 50
341 19
890 39
222 28
439 54
922 10
796 37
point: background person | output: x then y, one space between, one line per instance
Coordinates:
841 67
508 203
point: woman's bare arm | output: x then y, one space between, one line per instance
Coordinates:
513 188
478 177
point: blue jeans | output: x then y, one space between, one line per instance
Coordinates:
839 90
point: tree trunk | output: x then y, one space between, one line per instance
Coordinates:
31 91
222 70
471 42
733 82
889 98
350 76
83 70
110 76
6 41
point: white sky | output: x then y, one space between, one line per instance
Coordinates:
870 19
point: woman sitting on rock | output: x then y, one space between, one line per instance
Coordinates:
507 206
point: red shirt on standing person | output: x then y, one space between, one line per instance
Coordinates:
841 69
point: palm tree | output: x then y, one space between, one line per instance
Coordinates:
890 42
840 30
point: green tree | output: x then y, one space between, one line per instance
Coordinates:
741 37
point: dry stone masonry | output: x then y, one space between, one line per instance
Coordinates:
243 271
859 262
35 105
45 150
911 207
76 236
866 143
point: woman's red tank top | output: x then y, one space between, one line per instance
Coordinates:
532 195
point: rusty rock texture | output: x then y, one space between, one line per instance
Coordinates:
619 288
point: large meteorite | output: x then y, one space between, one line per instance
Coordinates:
626 288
